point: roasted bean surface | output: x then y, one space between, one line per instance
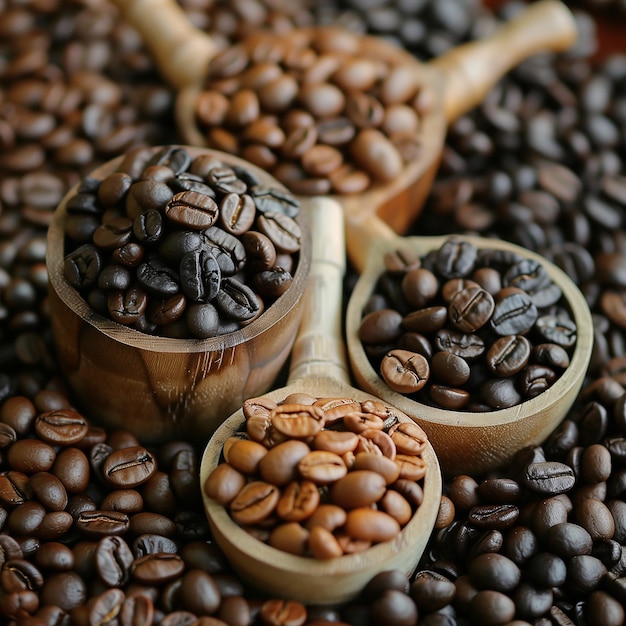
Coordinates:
540 163
467 328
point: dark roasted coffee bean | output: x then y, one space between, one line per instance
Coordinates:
113 234
500 393
514 314
237 213
200 275
464 345
48 490
61 427
157 278
494 571
535 379
557 329
427 320
30 456
549 477
227 249
270 199
148 226
106 604
508 355
282 230
567 539
152 544
405 372
126 306
236 300
498 516
456 258
113 559
177 159
102 523
470 309
82 267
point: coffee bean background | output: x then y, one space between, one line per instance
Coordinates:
540 162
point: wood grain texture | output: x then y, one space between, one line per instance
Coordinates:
318 367
473 443
161 388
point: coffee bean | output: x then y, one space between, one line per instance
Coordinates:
256 501
549 477
64 427
129 467
404 371
113 559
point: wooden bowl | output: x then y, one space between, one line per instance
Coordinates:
308 580
474 443
161 388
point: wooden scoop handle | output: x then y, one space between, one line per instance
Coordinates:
181 51
368 235
472 69
319 350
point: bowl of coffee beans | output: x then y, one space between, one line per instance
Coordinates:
176 276
483 343
310 497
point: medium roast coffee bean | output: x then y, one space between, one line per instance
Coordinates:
360 484
129 467
404 371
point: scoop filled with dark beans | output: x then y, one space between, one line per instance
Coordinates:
180 246
467 328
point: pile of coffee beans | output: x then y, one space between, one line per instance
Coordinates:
98 529
318 109
321 477
561 115
180 246
467 328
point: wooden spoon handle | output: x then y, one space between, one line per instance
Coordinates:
181 51
369 236
319 350
472 69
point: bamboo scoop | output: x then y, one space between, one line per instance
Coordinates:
318 367
465 442
458 80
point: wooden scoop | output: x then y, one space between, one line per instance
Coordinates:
458 80
465 442
318 367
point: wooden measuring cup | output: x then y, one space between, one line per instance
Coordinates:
466 442
318 367
454 83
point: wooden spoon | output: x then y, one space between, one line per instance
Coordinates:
457 80
318 367
465 442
